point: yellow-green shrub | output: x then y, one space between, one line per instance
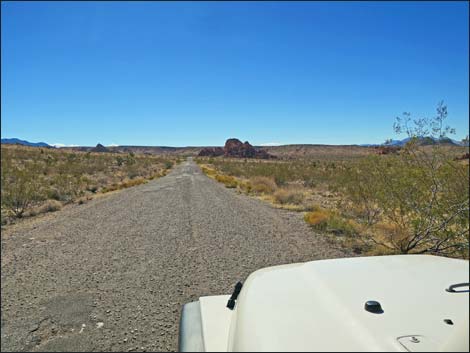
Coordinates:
317 219
245 186
331 222
229 181
50 206
263 185
289 196
133 182
208 171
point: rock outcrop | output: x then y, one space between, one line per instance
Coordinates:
211 152
234 148
99 148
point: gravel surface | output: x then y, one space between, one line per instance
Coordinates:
112 274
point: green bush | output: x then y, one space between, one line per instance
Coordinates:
20 189
423 193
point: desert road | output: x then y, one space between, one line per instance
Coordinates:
112 274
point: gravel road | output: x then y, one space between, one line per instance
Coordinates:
112 274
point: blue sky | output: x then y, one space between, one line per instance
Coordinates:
197 73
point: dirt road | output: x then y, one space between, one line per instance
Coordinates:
113 274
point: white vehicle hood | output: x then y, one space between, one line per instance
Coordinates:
319 306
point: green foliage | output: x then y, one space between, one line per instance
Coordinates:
119 161
20 189
422 192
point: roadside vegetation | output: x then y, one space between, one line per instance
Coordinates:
411 200
37 180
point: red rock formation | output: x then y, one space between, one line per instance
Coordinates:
234 148
211 152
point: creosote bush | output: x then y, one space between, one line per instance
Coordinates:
420 194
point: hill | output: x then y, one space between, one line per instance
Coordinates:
15 141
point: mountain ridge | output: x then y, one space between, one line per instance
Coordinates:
18 141
398 143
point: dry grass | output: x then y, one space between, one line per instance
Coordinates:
289 196
125 184
228 181
263 185
331 222
47 206
317 219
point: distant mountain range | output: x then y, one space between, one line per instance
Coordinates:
422 141
14 141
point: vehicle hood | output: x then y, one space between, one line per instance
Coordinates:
319 306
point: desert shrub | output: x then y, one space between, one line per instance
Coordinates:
421 193
282 171
53 193
263 185
132 182
50 206
168 164
111 187
341 226
280 179
229 181
208 171
331 222
65 187
318 219
289 196
92 188
20 189
4 217
132 171
83 199
245 186
119 161
310 182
